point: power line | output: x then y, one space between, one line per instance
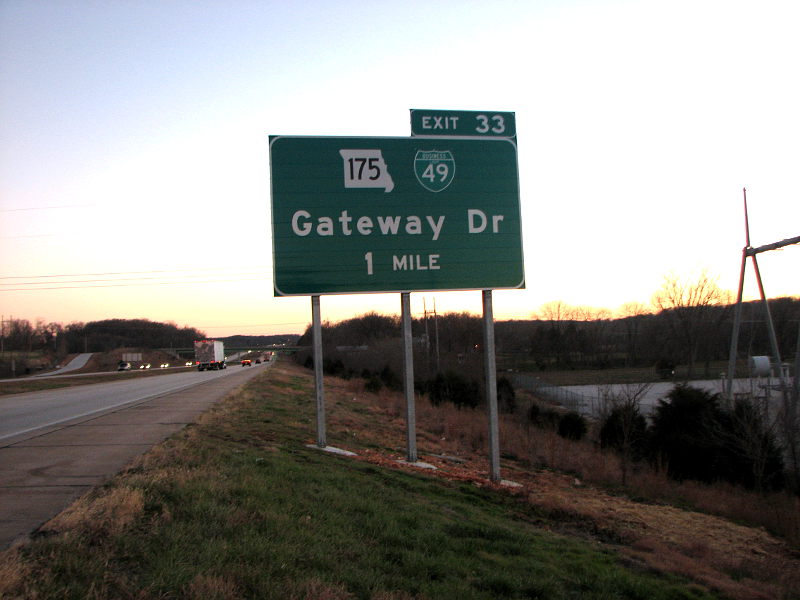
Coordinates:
110 285
149 272
37 283
16 237
46 207
153 277
252 325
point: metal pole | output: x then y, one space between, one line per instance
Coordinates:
737 323
797 369
773 340
491 386
791 432
436 330
408 377
316 325
427 339
746 220
775 246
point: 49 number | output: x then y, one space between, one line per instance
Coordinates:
432 171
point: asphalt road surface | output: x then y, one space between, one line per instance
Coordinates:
56 445
28 412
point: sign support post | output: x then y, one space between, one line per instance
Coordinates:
318 373
408 377
490 370
437 211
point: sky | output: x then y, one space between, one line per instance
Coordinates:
134 151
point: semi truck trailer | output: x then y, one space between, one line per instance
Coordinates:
209 354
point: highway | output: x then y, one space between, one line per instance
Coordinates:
24 413
56 445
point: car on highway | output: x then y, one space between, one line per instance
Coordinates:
123 366
247 362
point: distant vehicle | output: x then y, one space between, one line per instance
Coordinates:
189 363
123 366
164 365
144 366
209 354
258 361
247 362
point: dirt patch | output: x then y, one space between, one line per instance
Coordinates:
109 361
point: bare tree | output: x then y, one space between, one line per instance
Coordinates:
557 315
632 315
555 312
624 427
753 438
690 310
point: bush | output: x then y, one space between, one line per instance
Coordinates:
374 384
683 432
700 440
572 426
543 417
390 379
506 397
753 456
452 387
625 430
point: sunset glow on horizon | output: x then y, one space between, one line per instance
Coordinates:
134 171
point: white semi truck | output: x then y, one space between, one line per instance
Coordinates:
209 354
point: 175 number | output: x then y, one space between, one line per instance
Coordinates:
357 166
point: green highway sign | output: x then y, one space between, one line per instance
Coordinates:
463 123
354 215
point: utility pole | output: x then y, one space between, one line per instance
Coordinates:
436 331
427 338
795 390
749 251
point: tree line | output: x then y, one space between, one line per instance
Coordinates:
20 336
683 327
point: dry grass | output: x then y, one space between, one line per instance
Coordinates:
13 572
99 513
209 587
557 475
319 590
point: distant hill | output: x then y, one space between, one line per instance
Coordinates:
110 334
238 341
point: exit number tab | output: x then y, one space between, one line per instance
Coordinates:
463 123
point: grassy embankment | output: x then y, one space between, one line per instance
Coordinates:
238 507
